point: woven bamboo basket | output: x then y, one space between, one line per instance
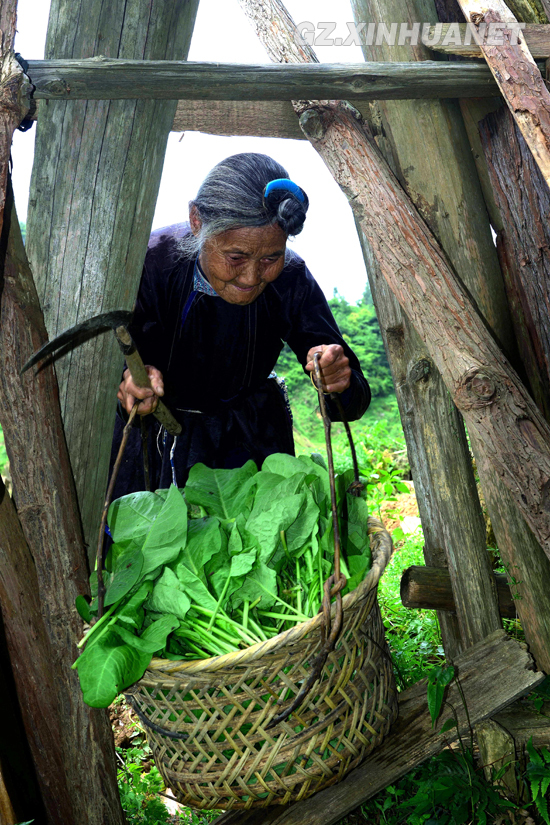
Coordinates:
207 720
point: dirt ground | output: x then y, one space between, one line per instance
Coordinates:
405 506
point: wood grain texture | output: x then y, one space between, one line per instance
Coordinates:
527 565
46 506
420 416
273 118
517 75
110 79
95 180
524 722
452 40
429 588
520 551
433 162
523 200
492 674
30 662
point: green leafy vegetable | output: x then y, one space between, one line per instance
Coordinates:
233 559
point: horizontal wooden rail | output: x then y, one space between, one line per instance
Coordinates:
100 78
537 37
429 588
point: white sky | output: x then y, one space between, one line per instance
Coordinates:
222 33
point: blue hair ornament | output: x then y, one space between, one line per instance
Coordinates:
286 185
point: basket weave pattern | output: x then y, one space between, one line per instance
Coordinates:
222 706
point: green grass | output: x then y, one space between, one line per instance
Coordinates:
4 461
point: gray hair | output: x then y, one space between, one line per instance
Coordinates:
232 195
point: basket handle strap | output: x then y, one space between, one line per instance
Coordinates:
337 581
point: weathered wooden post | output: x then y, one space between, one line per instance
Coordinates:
433 162
95 180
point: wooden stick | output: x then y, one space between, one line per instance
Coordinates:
115 79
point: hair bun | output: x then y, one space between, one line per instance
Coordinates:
291 215
288 203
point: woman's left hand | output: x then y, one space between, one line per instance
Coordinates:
334 366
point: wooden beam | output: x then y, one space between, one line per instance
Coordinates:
82 757
516 73
104 79
260 118
492 674
430 588
450 38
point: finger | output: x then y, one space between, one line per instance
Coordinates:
309 357
155 377
331 354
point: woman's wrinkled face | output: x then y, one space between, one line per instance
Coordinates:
240 263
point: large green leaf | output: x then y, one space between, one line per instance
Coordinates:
266 525
107 667
204 540
267 493
223 493
130 518
131 611
168 596
126 571
283 464
357 527
261 582
299 532
195 588
153 639
168 534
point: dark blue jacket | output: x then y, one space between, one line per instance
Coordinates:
216 359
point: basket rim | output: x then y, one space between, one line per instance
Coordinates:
381 553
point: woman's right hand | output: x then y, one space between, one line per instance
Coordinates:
128 393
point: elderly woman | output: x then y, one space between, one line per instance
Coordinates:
218 298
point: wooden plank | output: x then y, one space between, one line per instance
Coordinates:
112 79
449 38
94 186
520 199
429 588
492 674
524 722
517 75
525 560
46 506
260 118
